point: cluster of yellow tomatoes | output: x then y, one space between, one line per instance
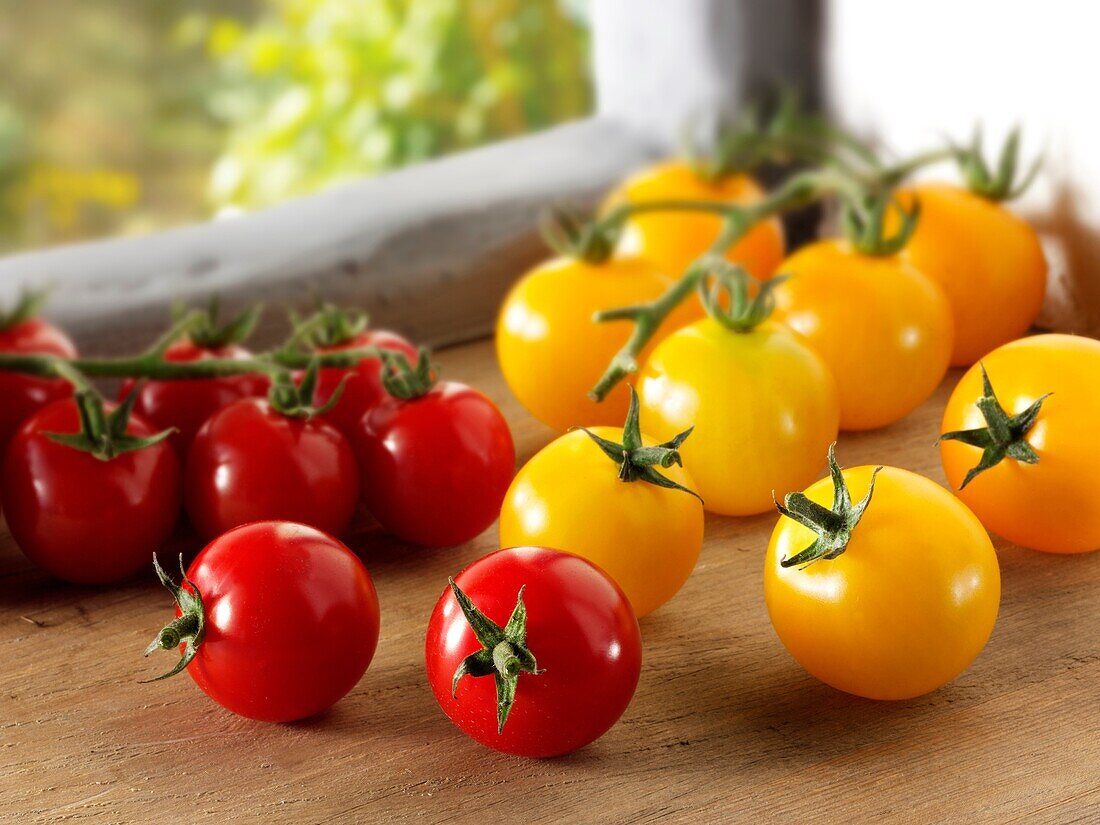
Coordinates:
879 581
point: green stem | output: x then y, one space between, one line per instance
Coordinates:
147 366
797 191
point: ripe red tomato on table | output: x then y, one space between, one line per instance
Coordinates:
550 661
331 329
83 518
252 462
20 395
185 405
435 465
285 622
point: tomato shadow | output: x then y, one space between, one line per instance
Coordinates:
756 711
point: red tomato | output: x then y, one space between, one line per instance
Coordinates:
80 518
186 405
251 463
21 395
580 631
289 618
363 389
435 468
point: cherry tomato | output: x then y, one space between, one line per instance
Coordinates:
763 404
908 603
552 352
580 635
185 405
251 463
1042 489
81 518
21 395
363 388
882 327
289 621
435 468
673 239
988 261
570 496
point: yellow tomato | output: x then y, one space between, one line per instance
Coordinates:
907 605
763 404
988 261
551 351
673 239
1054 503
570 497
881 326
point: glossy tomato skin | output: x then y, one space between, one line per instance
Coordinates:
250 463
81 519
882 327
569 496
905 608
551 351
763 404
291 621
435 468
672 239
185 405
1053 505
580 629
363 389
988 261
21 395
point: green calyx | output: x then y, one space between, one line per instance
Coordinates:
568 233
638 462
728 296
25 308
833 527
404 381
104 435
328 326
1004 436
504 654
863 217
203 328
296 400
188 629
1003 183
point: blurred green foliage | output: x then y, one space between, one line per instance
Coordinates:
126 115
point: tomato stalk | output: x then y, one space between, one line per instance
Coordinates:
404 381
799 190
25 308
636 461
1004 436
504 654
833 526
728 299
188 629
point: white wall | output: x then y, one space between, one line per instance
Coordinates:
909 72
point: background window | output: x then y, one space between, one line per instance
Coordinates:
123 116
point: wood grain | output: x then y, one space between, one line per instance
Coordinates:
725 727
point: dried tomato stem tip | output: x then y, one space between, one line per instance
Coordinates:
833 527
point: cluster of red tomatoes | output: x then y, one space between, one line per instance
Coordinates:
879 581
89 501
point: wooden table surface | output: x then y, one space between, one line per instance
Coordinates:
725 726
